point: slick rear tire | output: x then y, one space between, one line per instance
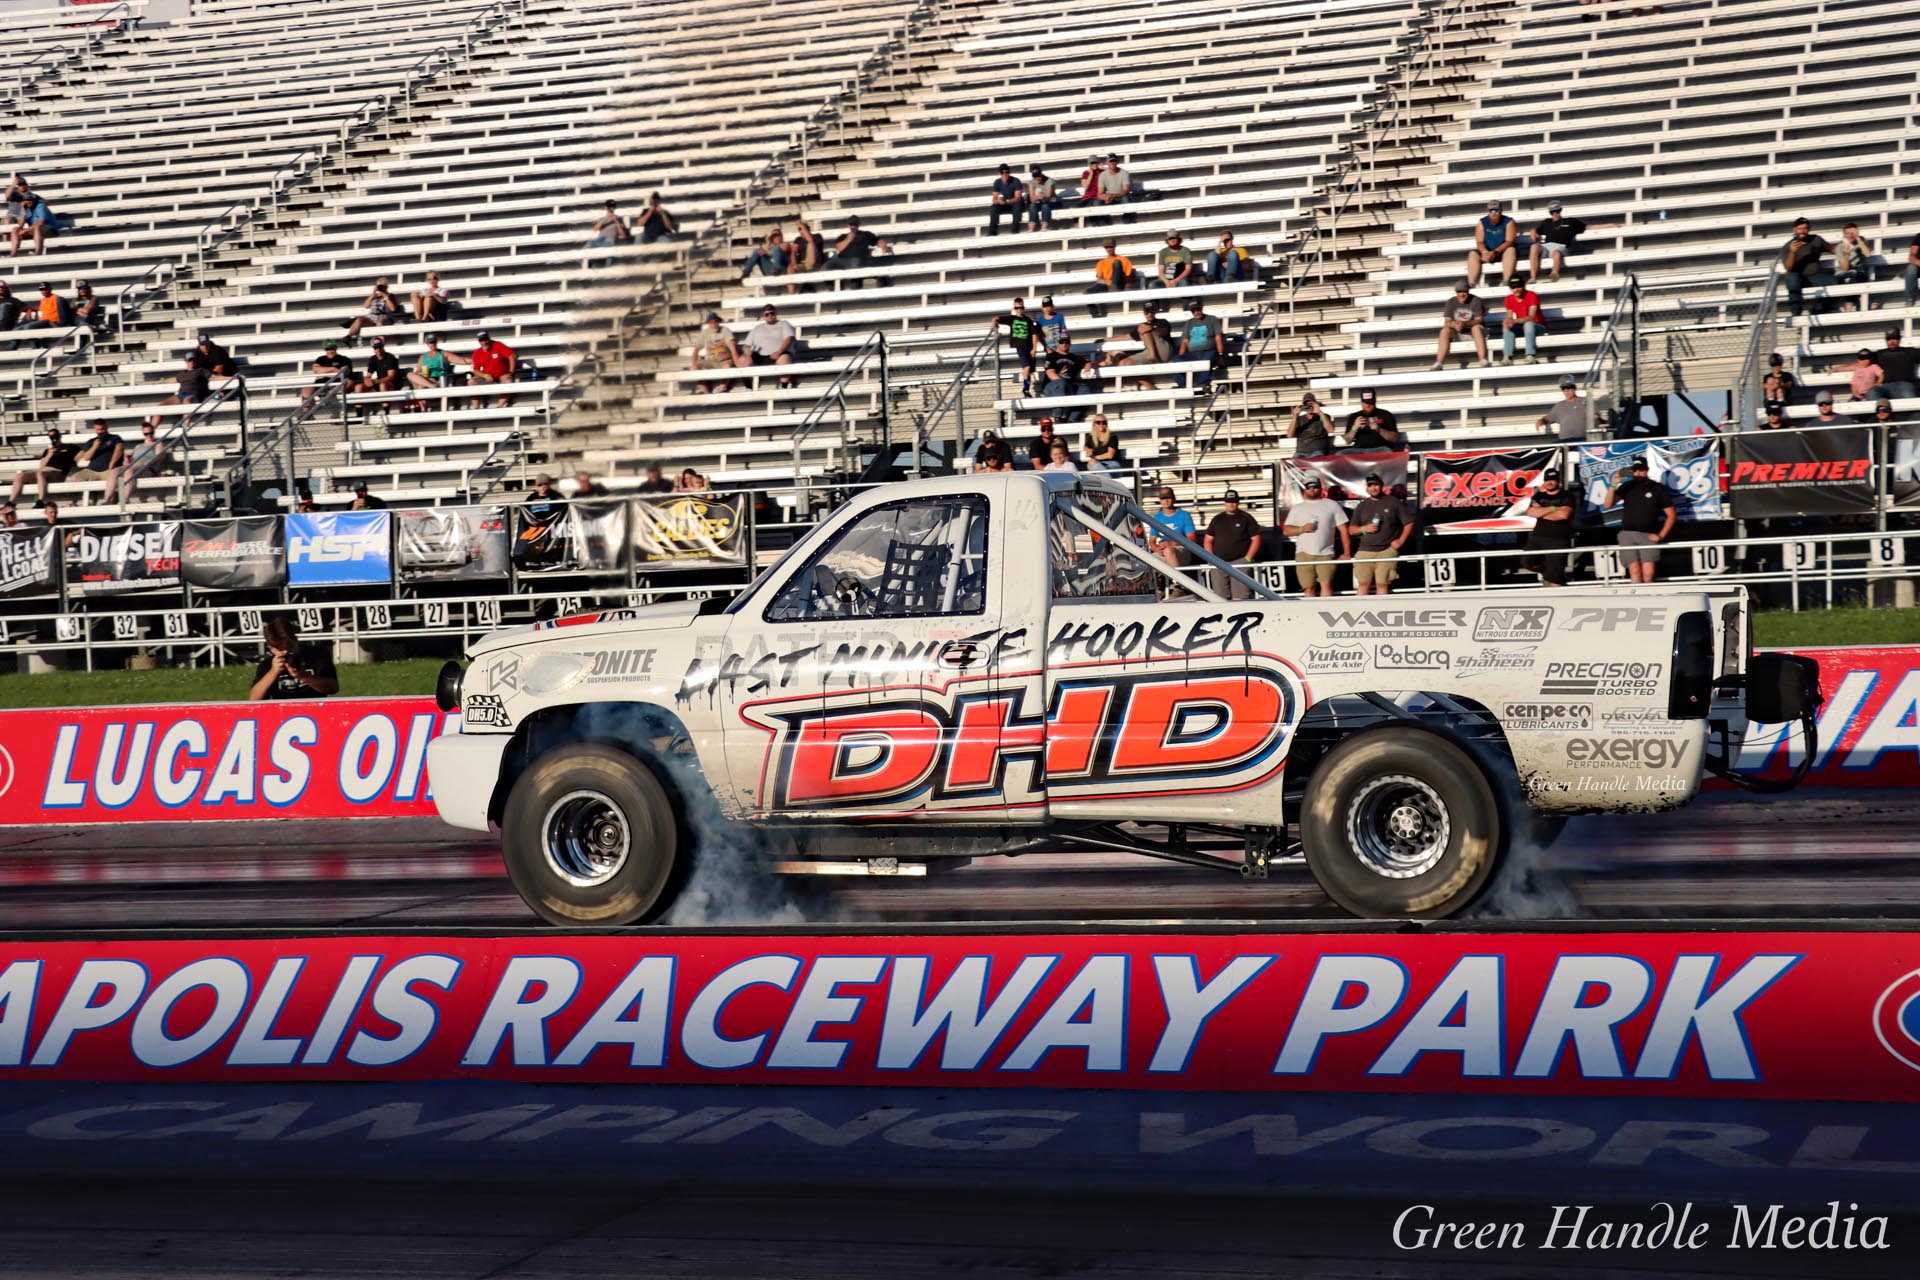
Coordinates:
1401 823
591 837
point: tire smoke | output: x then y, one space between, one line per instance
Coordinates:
1528 885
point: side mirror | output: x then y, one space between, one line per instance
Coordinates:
1782 687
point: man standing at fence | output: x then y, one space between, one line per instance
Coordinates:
1646 518
1554 510
1234 536
1313 523
1385 523
291 669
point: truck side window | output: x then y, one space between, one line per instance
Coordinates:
1085 564
924 557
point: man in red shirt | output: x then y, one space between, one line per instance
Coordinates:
1523 315
491 362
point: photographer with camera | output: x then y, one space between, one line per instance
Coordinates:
291 670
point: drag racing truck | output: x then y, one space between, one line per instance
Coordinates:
997 664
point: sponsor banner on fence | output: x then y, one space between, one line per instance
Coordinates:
1483 491
1903 466
451 544
684 529
313 758
1802 473
1688 465
1869 729
586 537
246 554
140 557
339 548
27 566
1343 475
1783 1014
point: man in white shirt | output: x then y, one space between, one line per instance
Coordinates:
1313 523
771 341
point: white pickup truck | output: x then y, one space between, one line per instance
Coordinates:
998 664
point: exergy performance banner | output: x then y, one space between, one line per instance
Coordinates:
687 530
318 758
1482 491
246 554
1828 472
27 564
138 557
338 548
452 544
1656 1015
1688 465
1869 729
1343 475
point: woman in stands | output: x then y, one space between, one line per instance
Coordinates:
380 308
805 253
434 368
713 348
430 301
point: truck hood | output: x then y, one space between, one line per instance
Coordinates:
664 616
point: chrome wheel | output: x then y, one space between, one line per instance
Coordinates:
1398 827
586 838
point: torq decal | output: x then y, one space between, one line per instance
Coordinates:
1173 730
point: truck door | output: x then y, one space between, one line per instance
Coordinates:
886 644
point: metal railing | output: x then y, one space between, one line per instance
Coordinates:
49 362
952 400
177 436
833 401
97 27
1612 376
1748 385
280 441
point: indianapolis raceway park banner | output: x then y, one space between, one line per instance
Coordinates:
1724 1014
1688 465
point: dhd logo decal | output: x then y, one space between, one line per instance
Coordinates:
1896 1019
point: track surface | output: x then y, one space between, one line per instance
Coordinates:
1813 855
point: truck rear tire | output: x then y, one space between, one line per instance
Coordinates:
1400 823
590 837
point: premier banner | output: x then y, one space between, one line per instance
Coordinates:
1343 476
140 557
1827 472
452 544
1730 1014
339 548
246 554
1482 491
1688 465
27 564
319 758
688 530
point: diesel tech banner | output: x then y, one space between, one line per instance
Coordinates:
1688 465
451 544
139 557
246 554
27 564
1482 491
690 530
1826 472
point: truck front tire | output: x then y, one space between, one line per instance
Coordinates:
590 837
1400 823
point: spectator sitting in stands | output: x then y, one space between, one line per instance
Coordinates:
1883 411
1558 236
1009 200
856 248
1523 315
1779 384
1800 261
993 450
1902 367
1462 314
1090 179
1023 336
190 386
1568 419
1112 274
1064 377
1102 450
383 374
1155 336
1174 264
1059 457
104 452
1496 238
16 198
434 368
1371 429
1040 452
10 307
1850 265
584 487
1913 271
214 358
52 465
1052 326
1645 521
1227 264
291 670
145 456
1203 341
1863 375
380 308
36 220
771 258
431 302
305 504
491 364
714 348
690 481
330 369
1823 405
52 312
609 229
1042 199
364 501
1116 184
9 518
772 341
87 309
807 251
1311 429
655 222
1776 419
654 482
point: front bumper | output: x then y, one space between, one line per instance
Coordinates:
463 770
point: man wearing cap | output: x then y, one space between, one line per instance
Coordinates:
87 309
655 222
330 369
1523 314
1647 514
1023 337
1554 510
772 341
1112 274
1233 536
364 501
1823 404
1042 199
36 220
1228 263
1776 415
1852 256
1115 184
1009 201
1203 341
1462 314
1567 419
217 359
491 364
654 481
1779 384
1559 236
1800 261
1384 524
713 348
1174 264
1313 523
609 228
1062 376
1883 412
51 312
52 465
1177 552
993 453
1372 429
1901 366
1040 452
856 248
382 374
190 386
1496 238
1051 324
1311 430
1155 337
